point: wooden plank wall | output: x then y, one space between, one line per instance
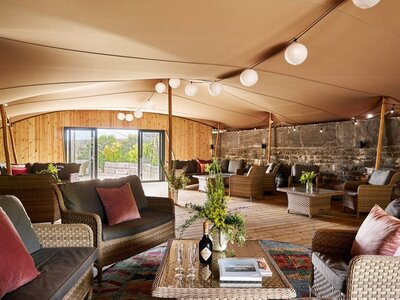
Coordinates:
40 138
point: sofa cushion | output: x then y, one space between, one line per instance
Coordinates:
201 165
16 264
333 268
60 269
191 166
66 169
38 167
234 165
17 214
379 234
119 204
82 196
148 220
393 208
179 164
136 187
224 163
271 167
380 177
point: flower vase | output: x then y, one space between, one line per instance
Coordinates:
219 240
175 195
309 187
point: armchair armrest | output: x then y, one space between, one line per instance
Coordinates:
63 235
240 171
161 204
239 179
353 185
333 241
373 277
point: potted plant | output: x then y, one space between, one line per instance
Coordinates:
176 180
226 225
51 169
307 178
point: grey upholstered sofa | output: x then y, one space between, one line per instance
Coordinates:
80 203
63 254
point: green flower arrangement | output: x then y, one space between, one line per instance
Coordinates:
51 169
215 209
307 177
175 181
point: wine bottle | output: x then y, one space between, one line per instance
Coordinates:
205 246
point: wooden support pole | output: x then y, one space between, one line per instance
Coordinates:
169 127
5 138
217 141
380 135
269 138
12 141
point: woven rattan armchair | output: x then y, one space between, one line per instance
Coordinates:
250 185
366 277
269 183
361 196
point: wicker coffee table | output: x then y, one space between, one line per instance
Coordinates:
166 286
309 203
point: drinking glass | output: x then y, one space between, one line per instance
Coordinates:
179 261
192 256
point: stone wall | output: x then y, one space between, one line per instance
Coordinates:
343 150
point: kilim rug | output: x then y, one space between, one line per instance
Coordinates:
132 278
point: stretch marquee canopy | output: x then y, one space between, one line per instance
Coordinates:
102 54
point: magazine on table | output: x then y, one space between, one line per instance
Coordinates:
243 270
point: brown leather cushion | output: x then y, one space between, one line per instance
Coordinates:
379 234
333 268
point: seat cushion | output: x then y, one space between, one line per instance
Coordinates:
380 177
379 234
191 166
271 167
235 165
119 204
16 264
60 269
66 169
148 220
393 208
333 268
17 214
224 163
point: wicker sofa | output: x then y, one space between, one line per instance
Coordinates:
338 276
63 254
36 194
80 203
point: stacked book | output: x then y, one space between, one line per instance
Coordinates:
242 272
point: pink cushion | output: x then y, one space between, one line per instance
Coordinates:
16 265
379 234
119 204
19 170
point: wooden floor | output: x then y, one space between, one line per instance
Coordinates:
265 218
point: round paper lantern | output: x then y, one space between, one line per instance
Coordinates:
121 116
174 83
296 53
160 87
215 88
129 117
364 4
191 89
138 114
249 77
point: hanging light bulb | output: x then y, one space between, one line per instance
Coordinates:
364 4
129 117
149 104
392 110
160 87
215 88
191 89
138 114
174 83
320 130
249 77
121 116
296 53
369 116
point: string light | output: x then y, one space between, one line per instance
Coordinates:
392 110
320 130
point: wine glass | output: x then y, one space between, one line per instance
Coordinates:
179 261
192 256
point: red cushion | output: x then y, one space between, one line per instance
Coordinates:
119 204
201 165
16 265
379 234
19 170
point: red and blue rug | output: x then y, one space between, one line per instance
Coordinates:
132 278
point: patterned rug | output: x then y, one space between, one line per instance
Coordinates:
132 278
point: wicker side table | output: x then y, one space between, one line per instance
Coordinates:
309 203
166 286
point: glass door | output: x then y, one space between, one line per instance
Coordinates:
151 155
80 147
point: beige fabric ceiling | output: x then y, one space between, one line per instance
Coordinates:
101 54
